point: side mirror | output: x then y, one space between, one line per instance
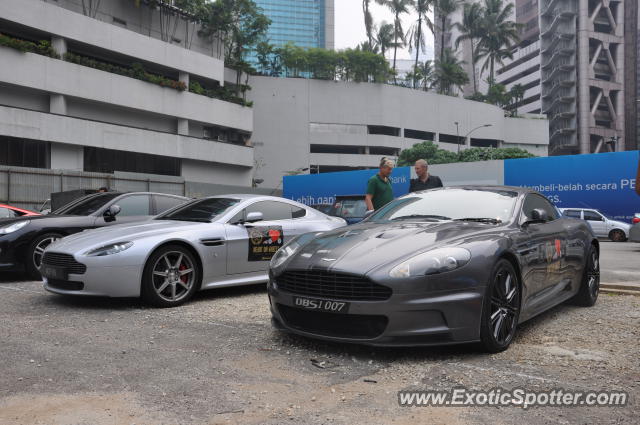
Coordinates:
538 215
252 217
111 213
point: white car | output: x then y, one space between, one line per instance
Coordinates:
603 226
212 242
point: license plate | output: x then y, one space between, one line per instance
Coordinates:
53 272
321 305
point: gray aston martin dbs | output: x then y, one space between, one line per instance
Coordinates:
441 266
212 242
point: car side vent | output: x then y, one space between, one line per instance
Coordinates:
212 242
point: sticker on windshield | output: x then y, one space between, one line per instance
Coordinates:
264 242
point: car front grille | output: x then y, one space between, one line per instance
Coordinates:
326 284
357 326
66 285
64 260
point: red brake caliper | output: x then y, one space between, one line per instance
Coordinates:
183 278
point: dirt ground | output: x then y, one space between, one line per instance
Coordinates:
217 360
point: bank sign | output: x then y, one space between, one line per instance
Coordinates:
314 189
604 181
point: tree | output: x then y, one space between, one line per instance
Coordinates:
444 9
384 38
471 29
264 51
416 33
498 95
517 94
398 8
449 73
422 74
435 155
368 21
499 34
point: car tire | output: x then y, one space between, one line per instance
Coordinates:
35 251
171 276
501 308
590 284
617 235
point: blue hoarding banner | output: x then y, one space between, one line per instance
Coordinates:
312 189
603 181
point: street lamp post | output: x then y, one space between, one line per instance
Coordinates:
472 130
457 136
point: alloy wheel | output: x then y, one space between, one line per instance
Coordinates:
593 274
505 306
173 276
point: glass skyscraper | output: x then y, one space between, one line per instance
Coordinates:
306 23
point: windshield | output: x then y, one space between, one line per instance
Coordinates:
450 204
87 206
203 210
349 208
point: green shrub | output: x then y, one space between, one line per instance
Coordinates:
43 47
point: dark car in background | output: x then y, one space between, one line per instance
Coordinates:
323 208
24 239
352 208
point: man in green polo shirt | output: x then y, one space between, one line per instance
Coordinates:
379 190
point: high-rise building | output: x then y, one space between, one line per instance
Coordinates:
582 69
305 23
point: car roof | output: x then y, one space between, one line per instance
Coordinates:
517 189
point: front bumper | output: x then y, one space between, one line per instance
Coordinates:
99 280
407 318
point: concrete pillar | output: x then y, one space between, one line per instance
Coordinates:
183 126
57 104
184 78
582 65
67 157
59 44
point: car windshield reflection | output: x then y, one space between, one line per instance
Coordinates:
203 210
87 206
450 204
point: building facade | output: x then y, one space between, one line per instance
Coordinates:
305 23
115 93
311 126
582 70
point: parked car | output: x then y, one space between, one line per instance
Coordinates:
7 211
603 226
350 207
443 266
24 239
634 233
212 242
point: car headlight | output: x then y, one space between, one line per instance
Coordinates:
431 262
284 253
110 249
13 227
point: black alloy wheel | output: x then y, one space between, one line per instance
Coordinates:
501 308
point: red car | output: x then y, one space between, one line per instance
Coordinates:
7 211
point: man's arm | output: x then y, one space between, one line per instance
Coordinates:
368 199
440 182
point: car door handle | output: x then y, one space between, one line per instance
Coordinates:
212 242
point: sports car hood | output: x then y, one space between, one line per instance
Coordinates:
124 233
362 247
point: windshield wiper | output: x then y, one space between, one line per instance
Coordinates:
421 216
480 219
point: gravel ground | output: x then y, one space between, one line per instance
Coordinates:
217 360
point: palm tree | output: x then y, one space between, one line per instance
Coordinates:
424 74
444 9
499 35
449 73
398 8
368 21
471 29
416 34
517 94
384 37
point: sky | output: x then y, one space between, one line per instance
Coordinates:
349 21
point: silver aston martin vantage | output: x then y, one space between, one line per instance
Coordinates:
212 242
